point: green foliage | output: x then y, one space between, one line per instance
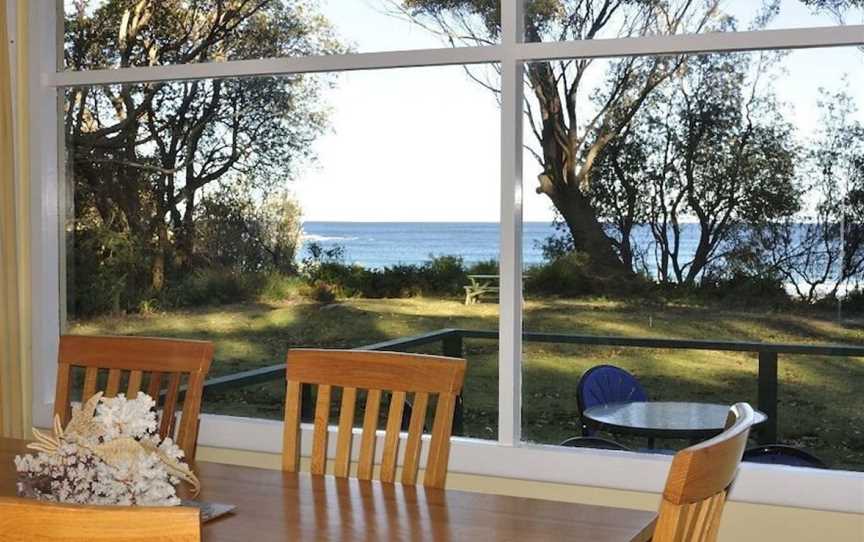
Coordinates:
740 289
489 267
221 286
323 292
234 231
150 161
853 302
572 275
214 286
275 286
105 271
444 274
441 275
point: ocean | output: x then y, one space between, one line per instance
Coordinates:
384 244
376 245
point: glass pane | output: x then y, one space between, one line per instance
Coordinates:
716 197
564 20
124 33
330 210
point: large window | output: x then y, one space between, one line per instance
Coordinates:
278 212
724 207
425 176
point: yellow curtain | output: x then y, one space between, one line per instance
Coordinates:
15 344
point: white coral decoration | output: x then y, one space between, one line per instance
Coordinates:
121 417
109 453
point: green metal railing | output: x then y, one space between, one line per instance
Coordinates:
452 344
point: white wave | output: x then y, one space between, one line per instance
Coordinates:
325 238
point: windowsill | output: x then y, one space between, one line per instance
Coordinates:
837 491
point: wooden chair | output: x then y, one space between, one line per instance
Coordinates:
401 374
25 520
131 360
698 481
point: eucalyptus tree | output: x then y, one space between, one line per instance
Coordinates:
709 154
572 120
822 250
141 154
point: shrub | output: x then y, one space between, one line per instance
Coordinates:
567 275
279 287
396 281
108 271
323 292
444 274
854 301
741 289
213 286
489 267
348 280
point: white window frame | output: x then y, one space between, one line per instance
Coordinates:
509 457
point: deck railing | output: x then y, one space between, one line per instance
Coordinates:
452 344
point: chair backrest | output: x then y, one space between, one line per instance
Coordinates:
606 384
376 372
26 519
128 364
698 481
779 454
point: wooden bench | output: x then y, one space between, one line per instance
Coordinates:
481 285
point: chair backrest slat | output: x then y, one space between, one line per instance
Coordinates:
26 519
345 438
62 392
154 387
698 481
391 437
134 384
411 462
171 396
291 431
377 373
368 439
91 375
160 359
440 445
113 385
319 436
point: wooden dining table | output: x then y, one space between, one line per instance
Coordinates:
274 505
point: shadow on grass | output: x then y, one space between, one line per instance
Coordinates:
820 398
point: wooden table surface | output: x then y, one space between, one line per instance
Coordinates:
272 505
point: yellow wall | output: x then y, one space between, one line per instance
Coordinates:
741 522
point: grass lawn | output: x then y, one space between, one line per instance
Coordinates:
821 399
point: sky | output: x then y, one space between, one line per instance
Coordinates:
422 144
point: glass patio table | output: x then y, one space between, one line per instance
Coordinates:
662 419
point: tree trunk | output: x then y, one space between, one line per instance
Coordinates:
187 232
588 235
700 256
158 267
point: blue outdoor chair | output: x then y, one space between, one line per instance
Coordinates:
779 454
605 384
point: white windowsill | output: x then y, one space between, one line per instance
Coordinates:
837 491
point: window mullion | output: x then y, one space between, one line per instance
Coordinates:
510 307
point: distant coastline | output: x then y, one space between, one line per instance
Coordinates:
376 245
